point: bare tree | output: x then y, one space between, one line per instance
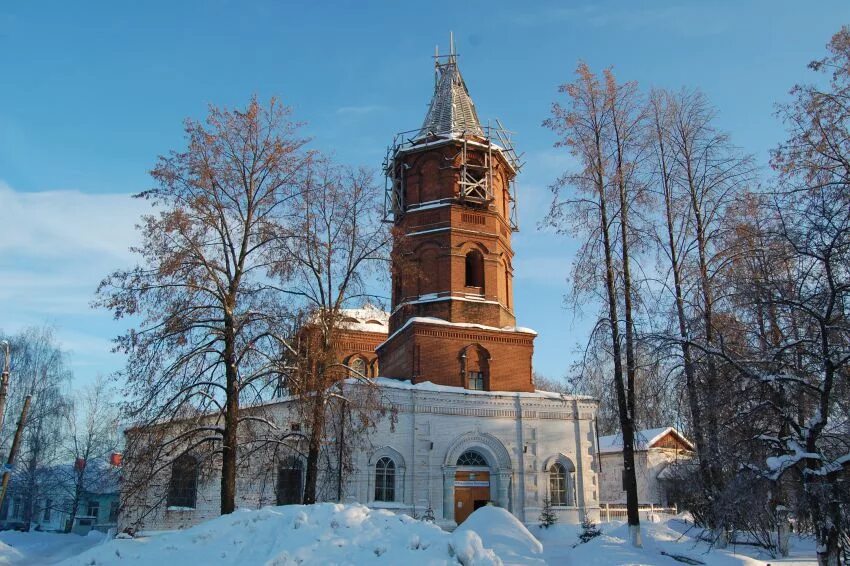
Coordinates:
813 212
207 290
91 434
336 248
699 178
597 128
39 370
710 173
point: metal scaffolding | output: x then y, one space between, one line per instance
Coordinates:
453 120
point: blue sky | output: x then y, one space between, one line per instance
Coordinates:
91 93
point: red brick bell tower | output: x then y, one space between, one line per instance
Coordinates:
452 200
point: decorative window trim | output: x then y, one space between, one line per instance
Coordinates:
385 476
400 469
479 376
570 483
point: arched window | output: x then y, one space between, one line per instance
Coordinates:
558 484
183 487
472 458
385 480
290 486
475 269
475 367
358 367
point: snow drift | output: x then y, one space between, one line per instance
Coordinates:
505 534
324 534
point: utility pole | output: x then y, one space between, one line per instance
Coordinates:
4 384
7 472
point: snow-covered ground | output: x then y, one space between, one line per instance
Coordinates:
329 534
323 534
661 542
43 548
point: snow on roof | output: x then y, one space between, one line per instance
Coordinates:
434 298
441 322
368 318
644 439
392 383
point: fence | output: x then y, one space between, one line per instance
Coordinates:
616 512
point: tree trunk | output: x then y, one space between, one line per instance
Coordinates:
627 417
75 503
314 448
691 384
712 432
31 494
626 424
231 420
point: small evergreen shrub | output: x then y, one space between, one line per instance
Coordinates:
428 517
589 529
548 517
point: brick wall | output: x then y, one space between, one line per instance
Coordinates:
431 352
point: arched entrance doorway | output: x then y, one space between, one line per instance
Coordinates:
472 484
486 458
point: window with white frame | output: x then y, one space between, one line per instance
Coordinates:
558 484
385 480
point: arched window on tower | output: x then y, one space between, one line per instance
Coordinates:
475 269
183 486
475 368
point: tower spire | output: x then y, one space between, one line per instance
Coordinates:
452 111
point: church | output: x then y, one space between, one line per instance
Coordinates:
469 429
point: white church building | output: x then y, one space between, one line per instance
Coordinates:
469 428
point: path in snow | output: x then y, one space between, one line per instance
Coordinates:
43 548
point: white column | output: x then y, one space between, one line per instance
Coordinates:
449 492
504 483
